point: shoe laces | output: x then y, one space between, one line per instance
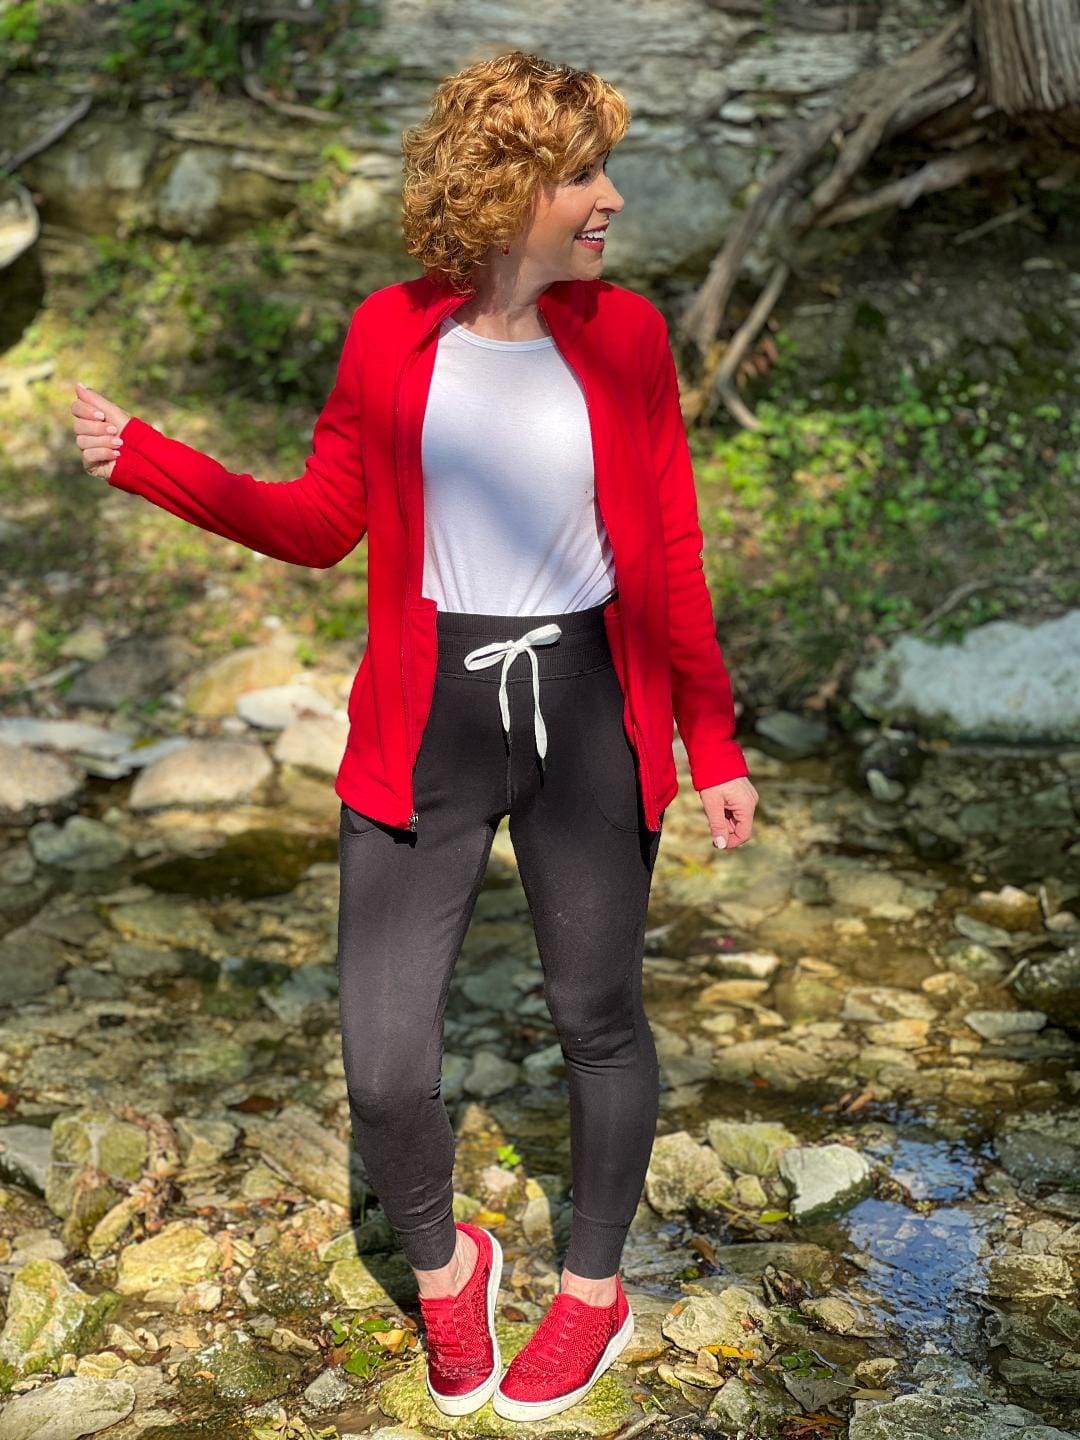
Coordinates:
560 1334
454 1334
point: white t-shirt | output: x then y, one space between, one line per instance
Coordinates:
510 516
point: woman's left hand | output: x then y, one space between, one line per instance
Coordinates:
730 809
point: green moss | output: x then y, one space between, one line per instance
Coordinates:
605 1409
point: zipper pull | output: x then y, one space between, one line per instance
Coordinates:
413 818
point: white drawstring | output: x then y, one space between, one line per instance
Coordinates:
508 651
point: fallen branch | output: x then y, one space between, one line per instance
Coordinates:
722 387
702 318
940 174
50 136
280 107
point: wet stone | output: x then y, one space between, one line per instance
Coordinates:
1041 1148
239 1369
681 1172
30 965
824 1179
750 1149
1029 1277
951 1417
732 1317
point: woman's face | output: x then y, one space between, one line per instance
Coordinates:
552 243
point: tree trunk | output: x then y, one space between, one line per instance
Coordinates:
1029 58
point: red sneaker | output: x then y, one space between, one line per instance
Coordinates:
564 1357
463 1358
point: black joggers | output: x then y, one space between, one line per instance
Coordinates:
586 860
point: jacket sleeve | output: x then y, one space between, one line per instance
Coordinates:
314 520
701 687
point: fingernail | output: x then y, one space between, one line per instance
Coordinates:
109 429
99 414
719 842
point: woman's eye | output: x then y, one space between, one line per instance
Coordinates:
586 173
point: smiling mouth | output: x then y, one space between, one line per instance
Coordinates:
592 239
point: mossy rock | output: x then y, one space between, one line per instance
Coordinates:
240 1370
606 1408
49 1316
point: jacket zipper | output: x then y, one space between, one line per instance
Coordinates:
410 359
639 747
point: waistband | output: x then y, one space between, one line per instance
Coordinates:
581 645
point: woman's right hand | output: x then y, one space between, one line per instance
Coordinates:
98 423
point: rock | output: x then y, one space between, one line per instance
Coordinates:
607 1408
357 1287
812 1264
30 965
32 781
314 742
138 668
92 1140
838 1316
1065 1319
950 1417
239 1369
1002 681
277 706
168 923
1048 1381
732 1317
750 1149
206 772
1041 1148
797 734
48 1316
204 1142
25 1154
681 1172
71 737
1054 986
160 1268
977 962
67 1409
133 961
1029 1277
823 1179
217 688
316 1159
491 1074
546 1066
1003 1024
876 1371
210 1059
328 1391
307 987
745 964
80 843
740 1409
872 1004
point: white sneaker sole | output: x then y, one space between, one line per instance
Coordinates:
472 1400
511 1409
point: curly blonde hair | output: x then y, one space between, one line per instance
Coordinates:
496 132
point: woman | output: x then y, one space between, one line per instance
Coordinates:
506 429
